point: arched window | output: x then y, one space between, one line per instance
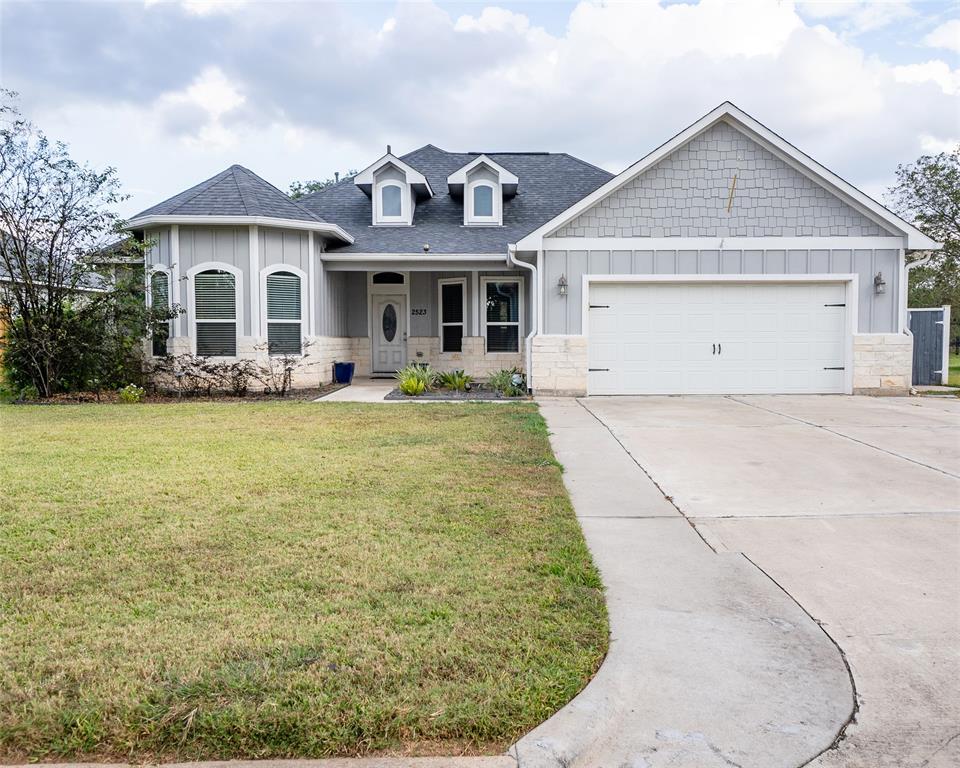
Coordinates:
391 201
284 314
388 278
483 201
215 300
160 299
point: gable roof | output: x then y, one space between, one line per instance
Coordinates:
234 196
364 179
458 179
774 143
550 183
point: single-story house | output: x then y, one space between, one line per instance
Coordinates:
725 261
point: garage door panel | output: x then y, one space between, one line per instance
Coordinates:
771 337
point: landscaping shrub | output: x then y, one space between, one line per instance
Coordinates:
458 381
131 393
509 382
414 379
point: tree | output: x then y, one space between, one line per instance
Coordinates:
68 327
927 193
300 189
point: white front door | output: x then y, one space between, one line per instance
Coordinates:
716 338
389 333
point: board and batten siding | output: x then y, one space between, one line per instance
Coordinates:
877 313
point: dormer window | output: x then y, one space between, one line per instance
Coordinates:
390 197
394 189
481 200
483 185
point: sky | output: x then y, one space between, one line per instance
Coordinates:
170 93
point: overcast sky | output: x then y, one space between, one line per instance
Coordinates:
172 92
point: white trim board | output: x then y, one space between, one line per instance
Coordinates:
740 120
243 221
721 243
851 298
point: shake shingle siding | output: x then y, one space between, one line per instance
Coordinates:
549 184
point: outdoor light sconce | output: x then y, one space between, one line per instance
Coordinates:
879 284
562 285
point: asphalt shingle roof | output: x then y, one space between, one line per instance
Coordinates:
549 184
236 191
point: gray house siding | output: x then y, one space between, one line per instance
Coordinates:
877 313
284 246
230 245
686 195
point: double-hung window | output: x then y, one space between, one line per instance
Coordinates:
451 315
215 299
502 316
284 314
160 299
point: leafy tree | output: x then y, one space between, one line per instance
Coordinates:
927 193
68 327
300 189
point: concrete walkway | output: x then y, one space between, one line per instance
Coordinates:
362 391
710 662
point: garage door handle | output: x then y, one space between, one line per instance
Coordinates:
597 369
599 306
835 368
714 349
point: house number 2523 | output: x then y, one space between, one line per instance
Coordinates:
418 311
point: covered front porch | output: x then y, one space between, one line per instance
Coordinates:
446 313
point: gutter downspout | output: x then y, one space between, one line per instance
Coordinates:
528 343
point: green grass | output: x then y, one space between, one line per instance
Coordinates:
210 581
954 376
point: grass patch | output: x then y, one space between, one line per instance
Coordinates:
954 376
213 581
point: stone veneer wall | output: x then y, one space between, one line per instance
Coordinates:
559 365
316 368
882 363
473 358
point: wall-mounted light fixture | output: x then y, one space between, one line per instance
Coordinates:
879 284
562 285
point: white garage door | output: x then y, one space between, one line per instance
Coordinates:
716 338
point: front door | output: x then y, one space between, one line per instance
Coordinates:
389 333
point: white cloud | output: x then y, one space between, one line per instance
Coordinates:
947 36
299 90
857 17
937 72
197 111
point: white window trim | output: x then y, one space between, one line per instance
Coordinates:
192 299
483 311
462 282
168 271
265 310
378 215
470 217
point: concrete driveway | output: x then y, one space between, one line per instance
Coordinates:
852 507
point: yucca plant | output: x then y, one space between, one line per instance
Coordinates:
415 379
457 380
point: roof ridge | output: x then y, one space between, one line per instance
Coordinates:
263 182
240 191
199 189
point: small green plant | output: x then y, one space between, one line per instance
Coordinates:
457 380
415 379
412 386
131 393
509 382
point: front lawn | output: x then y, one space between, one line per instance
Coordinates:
954 375
217 580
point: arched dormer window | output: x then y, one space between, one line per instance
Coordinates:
482 203
391 203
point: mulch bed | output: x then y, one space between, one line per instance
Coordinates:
106 398
447 394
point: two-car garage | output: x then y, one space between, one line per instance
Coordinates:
649 336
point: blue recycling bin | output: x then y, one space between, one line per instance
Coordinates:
343 372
